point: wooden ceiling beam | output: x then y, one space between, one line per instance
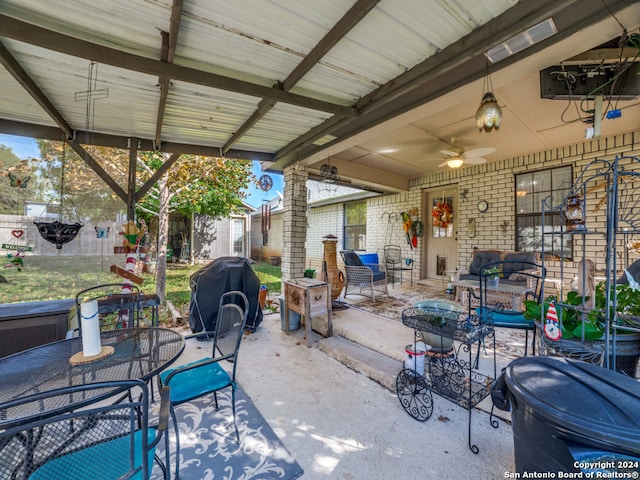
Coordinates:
456 65
95 166
168 53
32 130
59 42
15 69
349 20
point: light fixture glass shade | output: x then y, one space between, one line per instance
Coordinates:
489 114
455 163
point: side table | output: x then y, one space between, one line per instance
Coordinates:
308 297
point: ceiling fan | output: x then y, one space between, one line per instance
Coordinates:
459 156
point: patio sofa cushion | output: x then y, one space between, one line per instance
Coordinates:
370 260
518 257
480 258
510 271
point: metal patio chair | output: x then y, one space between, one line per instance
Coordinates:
207 376
363 279
78 433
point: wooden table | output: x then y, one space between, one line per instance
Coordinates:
511 295
308 297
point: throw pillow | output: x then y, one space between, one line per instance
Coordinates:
517 277
517 259
352 259
482 257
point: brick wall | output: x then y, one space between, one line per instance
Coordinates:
493 182
294 223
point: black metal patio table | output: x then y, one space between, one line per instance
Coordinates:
139 353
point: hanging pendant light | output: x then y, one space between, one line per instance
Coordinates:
489 113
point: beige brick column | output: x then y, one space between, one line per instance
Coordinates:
295 223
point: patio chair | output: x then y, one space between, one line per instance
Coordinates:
115 308
394 262
363 279
79 434
502 305
207 376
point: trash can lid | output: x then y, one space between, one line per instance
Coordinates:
584 398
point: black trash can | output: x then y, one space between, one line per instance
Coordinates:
571 416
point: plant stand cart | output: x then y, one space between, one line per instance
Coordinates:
452 375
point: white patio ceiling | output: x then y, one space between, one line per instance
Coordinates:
285 81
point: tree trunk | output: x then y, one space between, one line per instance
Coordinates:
163 235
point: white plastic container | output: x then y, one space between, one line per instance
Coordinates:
415 356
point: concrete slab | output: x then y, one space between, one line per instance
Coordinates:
339 424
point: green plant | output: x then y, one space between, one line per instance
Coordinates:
576 318
493 272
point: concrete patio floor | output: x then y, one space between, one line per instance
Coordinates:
334 409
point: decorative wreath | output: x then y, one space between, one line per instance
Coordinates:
442 215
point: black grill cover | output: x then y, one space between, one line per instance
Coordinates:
209 283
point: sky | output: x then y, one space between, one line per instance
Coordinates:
25 147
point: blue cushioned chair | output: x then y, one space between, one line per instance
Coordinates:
207 376
496 302
78 433
361 278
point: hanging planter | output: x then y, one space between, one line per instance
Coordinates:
58 232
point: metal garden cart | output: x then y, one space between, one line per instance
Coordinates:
452 375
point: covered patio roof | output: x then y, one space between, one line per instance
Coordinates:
294 81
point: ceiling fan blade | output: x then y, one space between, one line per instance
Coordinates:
478 152
475 161
451 153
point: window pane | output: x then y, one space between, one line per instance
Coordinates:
524 202
356 213
355 228
238 237
355 238
442 217
532 188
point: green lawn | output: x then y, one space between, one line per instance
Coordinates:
57 277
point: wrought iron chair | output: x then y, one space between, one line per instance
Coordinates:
502 305
77 433
363 279
207 376
394 262
115 308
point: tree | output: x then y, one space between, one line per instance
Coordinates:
64 177
14 173
194 184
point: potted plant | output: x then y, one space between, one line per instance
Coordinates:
589 324
493 275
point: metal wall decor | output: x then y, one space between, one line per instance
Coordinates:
265 182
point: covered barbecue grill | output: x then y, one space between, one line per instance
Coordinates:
209 283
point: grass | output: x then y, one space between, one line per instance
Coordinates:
58 277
